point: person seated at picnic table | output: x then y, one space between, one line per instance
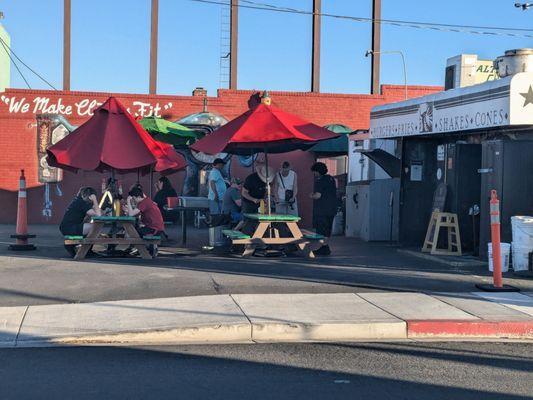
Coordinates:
325 204
164 191
254 190
110 202
138 204
82 207
231 204
285 190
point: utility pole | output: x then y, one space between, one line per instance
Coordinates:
315 64
234 38
66 43
153 46
376 46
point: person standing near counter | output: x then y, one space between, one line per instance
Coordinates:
217 187
324 204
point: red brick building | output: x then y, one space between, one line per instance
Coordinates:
18 133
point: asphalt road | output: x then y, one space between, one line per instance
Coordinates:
45 276
501 371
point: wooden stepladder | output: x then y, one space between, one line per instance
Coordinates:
443 220
440 219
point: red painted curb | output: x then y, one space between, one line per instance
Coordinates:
454 328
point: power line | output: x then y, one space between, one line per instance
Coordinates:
471 29
14 63
26 65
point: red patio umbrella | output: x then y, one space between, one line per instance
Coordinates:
112 140
263 129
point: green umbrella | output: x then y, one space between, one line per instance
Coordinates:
334 147
339 128
169 132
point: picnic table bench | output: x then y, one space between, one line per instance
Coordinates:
266 234
131 238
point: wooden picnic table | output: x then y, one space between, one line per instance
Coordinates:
131 238
267 234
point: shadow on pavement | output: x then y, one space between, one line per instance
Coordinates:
134 373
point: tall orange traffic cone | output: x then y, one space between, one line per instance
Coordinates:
497 285
22 219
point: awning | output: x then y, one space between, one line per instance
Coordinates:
390 164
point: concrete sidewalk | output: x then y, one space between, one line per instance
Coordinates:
272 318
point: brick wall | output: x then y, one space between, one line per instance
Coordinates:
18 133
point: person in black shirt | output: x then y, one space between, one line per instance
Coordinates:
83 205
164 191
324 203
254 190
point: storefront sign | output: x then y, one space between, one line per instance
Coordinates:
503 102
82 108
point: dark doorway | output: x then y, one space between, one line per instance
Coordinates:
418 183
464 184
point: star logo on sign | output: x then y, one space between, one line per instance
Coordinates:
528 96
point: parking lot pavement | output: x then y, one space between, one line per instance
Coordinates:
45 276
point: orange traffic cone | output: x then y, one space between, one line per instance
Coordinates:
22 219
498 285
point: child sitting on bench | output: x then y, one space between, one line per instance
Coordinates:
147 209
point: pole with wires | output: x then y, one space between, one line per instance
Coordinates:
12 54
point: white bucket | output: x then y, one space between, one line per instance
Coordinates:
521 256
505 249
522 227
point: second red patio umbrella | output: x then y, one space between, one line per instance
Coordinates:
263 129
112 140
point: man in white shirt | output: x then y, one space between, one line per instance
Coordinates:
286 190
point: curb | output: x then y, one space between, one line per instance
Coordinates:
451 329
298 333
214 334
328 332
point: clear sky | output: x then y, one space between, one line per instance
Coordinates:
110 43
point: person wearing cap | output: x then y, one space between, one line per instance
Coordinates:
217 187
254 190
324 204
231 204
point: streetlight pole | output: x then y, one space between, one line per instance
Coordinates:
371 52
